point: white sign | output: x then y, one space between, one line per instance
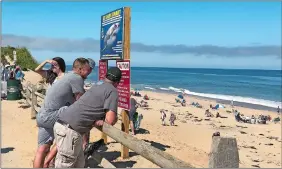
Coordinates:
14 52
123 65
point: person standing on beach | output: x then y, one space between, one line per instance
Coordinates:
163 116
59 95
132 114
57 71
98 105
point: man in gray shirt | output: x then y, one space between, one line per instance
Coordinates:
97 105
61 94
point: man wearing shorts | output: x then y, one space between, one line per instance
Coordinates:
97 105
58 97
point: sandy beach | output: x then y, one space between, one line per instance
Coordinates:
189 140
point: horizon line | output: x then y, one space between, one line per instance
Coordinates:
194 68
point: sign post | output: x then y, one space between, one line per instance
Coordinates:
115 45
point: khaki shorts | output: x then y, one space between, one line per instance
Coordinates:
69 144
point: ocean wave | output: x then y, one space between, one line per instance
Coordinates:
149 88
249 100
267 103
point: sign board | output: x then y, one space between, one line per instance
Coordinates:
112 35
14 52
103 68
124 85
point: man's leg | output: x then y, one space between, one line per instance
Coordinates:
86 138
132 127
69 145
44 142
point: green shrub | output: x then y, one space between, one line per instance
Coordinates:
24 58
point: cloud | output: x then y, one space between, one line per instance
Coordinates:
93 45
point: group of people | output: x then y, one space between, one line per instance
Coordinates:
10 72
172 117
69 112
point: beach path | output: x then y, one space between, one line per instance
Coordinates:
18 135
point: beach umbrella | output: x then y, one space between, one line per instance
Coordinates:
180 96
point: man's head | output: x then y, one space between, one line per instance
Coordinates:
114 75
81 67
91 63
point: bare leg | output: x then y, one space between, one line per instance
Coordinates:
86 138
132 127
40 155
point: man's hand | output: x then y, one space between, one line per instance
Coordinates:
46 163
98 123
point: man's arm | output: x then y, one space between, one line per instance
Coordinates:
77 86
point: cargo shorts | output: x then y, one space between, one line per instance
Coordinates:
69 145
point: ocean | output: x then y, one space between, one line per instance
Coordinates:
258 87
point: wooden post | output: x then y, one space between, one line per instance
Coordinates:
126 50
125 128
33 102
224 153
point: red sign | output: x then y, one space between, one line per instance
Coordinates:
103 67
124 85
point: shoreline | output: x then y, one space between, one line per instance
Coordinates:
221 101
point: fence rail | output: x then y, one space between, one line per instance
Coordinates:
227 157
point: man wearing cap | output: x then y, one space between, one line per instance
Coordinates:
98 105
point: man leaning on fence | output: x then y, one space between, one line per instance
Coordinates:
98 105
60 95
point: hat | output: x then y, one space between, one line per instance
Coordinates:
91 63
114 74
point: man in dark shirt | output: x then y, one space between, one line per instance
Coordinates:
133 108
98 105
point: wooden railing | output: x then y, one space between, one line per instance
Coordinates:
224 151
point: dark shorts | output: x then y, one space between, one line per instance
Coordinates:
45 127
132 115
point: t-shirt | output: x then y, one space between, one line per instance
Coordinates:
91 106
58 95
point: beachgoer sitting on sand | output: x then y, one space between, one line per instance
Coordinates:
276 120
261 119
172 118
143 104
208 113
146 97
163 116
137 94
178 100
269 118
183 103
237 116
253 120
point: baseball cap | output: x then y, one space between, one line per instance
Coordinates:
91 63
114 74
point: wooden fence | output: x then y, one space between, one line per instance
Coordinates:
224 151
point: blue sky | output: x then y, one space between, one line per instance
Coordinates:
224 24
